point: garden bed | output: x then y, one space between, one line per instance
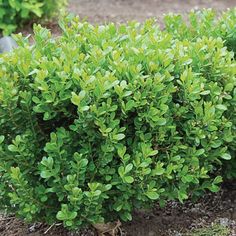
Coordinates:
175 219
120 11
99 11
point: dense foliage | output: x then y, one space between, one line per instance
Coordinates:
204 23
207 23
105 119
15 12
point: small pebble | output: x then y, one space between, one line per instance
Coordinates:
224 222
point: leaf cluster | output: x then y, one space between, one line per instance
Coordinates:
208 23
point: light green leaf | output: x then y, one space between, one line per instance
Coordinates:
119 137
221 107
129 179
128 168
226 156
152 195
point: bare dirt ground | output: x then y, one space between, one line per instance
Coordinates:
120 11
176 218
100 11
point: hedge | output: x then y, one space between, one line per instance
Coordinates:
208 23
204 23
107 119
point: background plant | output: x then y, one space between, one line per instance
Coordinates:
106 119
14 13
213 230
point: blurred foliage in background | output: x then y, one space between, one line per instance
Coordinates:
13 13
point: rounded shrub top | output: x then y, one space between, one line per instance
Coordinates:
204 23
106 119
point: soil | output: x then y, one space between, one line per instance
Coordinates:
173 220
120 11
100 11
176 218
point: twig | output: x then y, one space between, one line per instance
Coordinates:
49 228
54 224
9 218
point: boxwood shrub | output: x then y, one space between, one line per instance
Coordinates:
204 23
107 119
13 13
208 23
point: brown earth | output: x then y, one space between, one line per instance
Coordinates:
174 220
99 11
120 11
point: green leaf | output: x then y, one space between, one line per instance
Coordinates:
15 172
117 206
199 152
218 180
129 179
65 214
214 188
84 108
221 107
226 156
46 174
128 168
1 139
119 137
121 171
12 148
69 223
129 105
61 215
187 178
82 94
182 196
48 161
126 216
75 99
83 163
161 121
206 92
97 193
153 153
159 170
152 195
121 151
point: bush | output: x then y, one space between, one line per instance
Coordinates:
106 119
14 13
206 23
